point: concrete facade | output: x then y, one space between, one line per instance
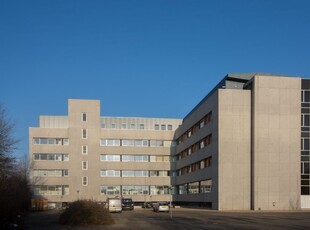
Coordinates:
238 149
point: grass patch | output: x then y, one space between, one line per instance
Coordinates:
84 213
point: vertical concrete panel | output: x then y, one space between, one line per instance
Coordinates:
234 149
276 135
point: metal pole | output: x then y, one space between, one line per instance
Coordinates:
170 188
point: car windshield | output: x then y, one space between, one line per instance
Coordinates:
127 201
163 203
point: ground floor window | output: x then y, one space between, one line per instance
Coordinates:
51 190
110 190
203 186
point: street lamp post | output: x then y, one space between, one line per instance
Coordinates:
170 189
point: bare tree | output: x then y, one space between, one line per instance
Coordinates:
8 143
15 190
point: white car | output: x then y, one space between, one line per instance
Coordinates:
161 207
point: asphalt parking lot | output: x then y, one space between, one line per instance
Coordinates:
185 219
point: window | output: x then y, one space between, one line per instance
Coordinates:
163 127
156 126
113 126
159 158
154 173
110 173
141 126
124 126
135 190
84 133
65 172
154 143
183 189
107 142
110 190
128 143
169 127
132 126
128 158
205 186
84 117
84 180
65 157
84 149
159 190
135 158
110 158
50 157
138 143
84 165
138 173
142 143
50 141
193 188
51 172
51 190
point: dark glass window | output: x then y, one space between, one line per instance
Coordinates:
305 190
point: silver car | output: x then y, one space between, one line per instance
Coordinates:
161 206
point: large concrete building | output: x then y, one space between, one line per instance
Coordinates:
245 146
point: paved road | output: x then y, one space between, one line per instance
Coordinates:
191 219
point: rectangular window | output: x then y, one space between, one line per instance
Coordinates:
110 158
84 117
183 189
156 126
50 141
107 142
128 142
84 165
159 190
124 126
193 188
205 186
126 173
84 180
113 126
141 126
84 133
110 190
163 127
65 172
169 127
110 173
132 126
50 157
84 149
154 143
135 190
51 190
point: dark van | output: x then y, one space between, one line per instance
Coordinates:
127 204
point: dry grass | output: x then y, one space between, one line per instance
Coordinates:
84 213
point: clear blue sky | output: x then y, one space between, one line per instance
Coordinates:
140 58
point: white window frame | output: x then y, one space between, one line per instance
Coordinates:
84 177
86 132
82 117
86 149
86 165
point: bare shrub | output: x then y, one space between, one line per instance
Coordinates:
84 213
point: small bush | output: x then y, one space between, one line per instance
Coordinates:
85 213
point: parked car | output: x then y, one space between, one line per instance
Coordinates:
161 206
147 205
127 204
114 204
